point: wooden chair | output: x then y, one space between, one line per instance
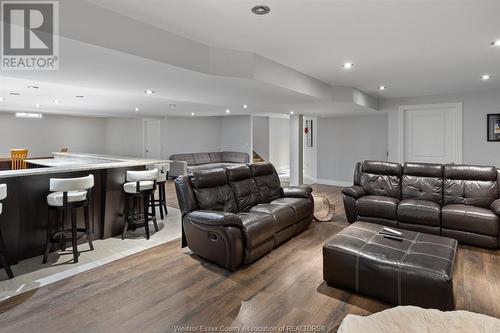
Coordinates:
18 157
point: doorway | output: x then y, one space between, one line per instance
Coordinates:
152 138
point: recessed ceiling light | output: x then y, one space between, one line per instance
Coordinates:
495 43
348 65
485 77
172 105
1 99
33 87
28 115
37 105
228 111
291 112
261 10
79 96
136 109
192 113
14 93
382 88
245 106
149 92
57 101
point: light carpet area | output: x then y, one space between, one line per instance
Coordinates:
31 273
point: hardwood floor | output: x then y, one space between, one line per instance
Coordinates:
165 287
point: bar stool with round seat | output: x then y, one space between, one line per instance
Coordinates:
69 194
161 202
3 253
140 188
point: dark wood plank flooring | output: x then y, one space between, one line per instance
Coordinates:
160 288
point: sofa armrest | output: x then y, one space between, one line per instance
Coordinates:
178 168
215 218
297 192
355 191
495 206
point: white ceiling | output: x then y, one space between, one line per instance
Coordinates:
414 47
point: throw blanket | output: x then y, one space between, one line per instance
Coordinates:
412 319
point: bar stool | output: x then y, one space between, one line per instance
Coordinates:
69 194
161 202
3 253
140 186
18 158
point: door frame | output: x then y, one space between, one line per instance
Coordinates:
457 107
144 121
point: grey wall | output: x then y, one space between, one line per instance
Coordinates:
124 136
188 135
236 134
261 136
51 133
476 105
279 142
342 141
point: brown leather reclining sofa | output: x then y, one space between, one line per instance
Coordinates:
458 201
234 216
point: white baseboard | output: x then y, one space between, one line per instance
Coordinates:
334 182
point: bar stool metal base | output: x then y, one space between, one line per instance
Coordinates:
140 215
76 234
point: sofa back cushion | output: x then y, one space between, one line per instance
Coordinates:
201 158
234 157
267 181
212 190
215 157
381 178
183 157
470 185
423 181
244 188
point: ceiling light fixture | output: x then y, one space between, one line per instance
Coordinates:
79 96
291 112
136 109
192 113
382 88
14 93
485 77
348 65
28 115
228 111
57 101
149 92
1 99
172 105
37 105
33 87
245 106
495 43
261 10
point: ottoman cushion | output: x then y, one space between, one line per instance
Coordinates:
415 271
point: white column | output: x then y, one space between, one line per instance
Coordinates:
296 150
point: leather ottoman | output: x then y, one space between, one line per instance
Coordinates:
415 271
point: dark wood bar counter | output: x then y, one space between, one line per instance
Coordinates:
25 210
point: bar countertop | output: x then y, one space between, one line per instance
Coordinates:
70 162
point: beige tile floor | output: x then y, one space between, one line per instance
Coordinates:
31 273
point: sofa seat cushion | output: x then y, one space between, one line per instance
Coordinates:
257 228
419 212
284 216
377 206
470 218
302 207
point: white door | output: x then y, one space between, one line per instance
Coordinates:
152 138
431 133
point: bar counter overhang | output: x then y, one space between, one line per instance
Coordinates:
25 213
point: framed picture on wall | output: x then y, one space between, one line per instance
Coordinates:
494 127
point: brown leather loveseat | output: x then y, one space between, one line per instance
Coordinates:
458 201
234 216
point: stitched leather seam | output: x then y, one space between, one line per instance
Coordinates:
357 261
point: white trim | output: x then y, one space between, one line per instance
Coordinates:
340 183
458 134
